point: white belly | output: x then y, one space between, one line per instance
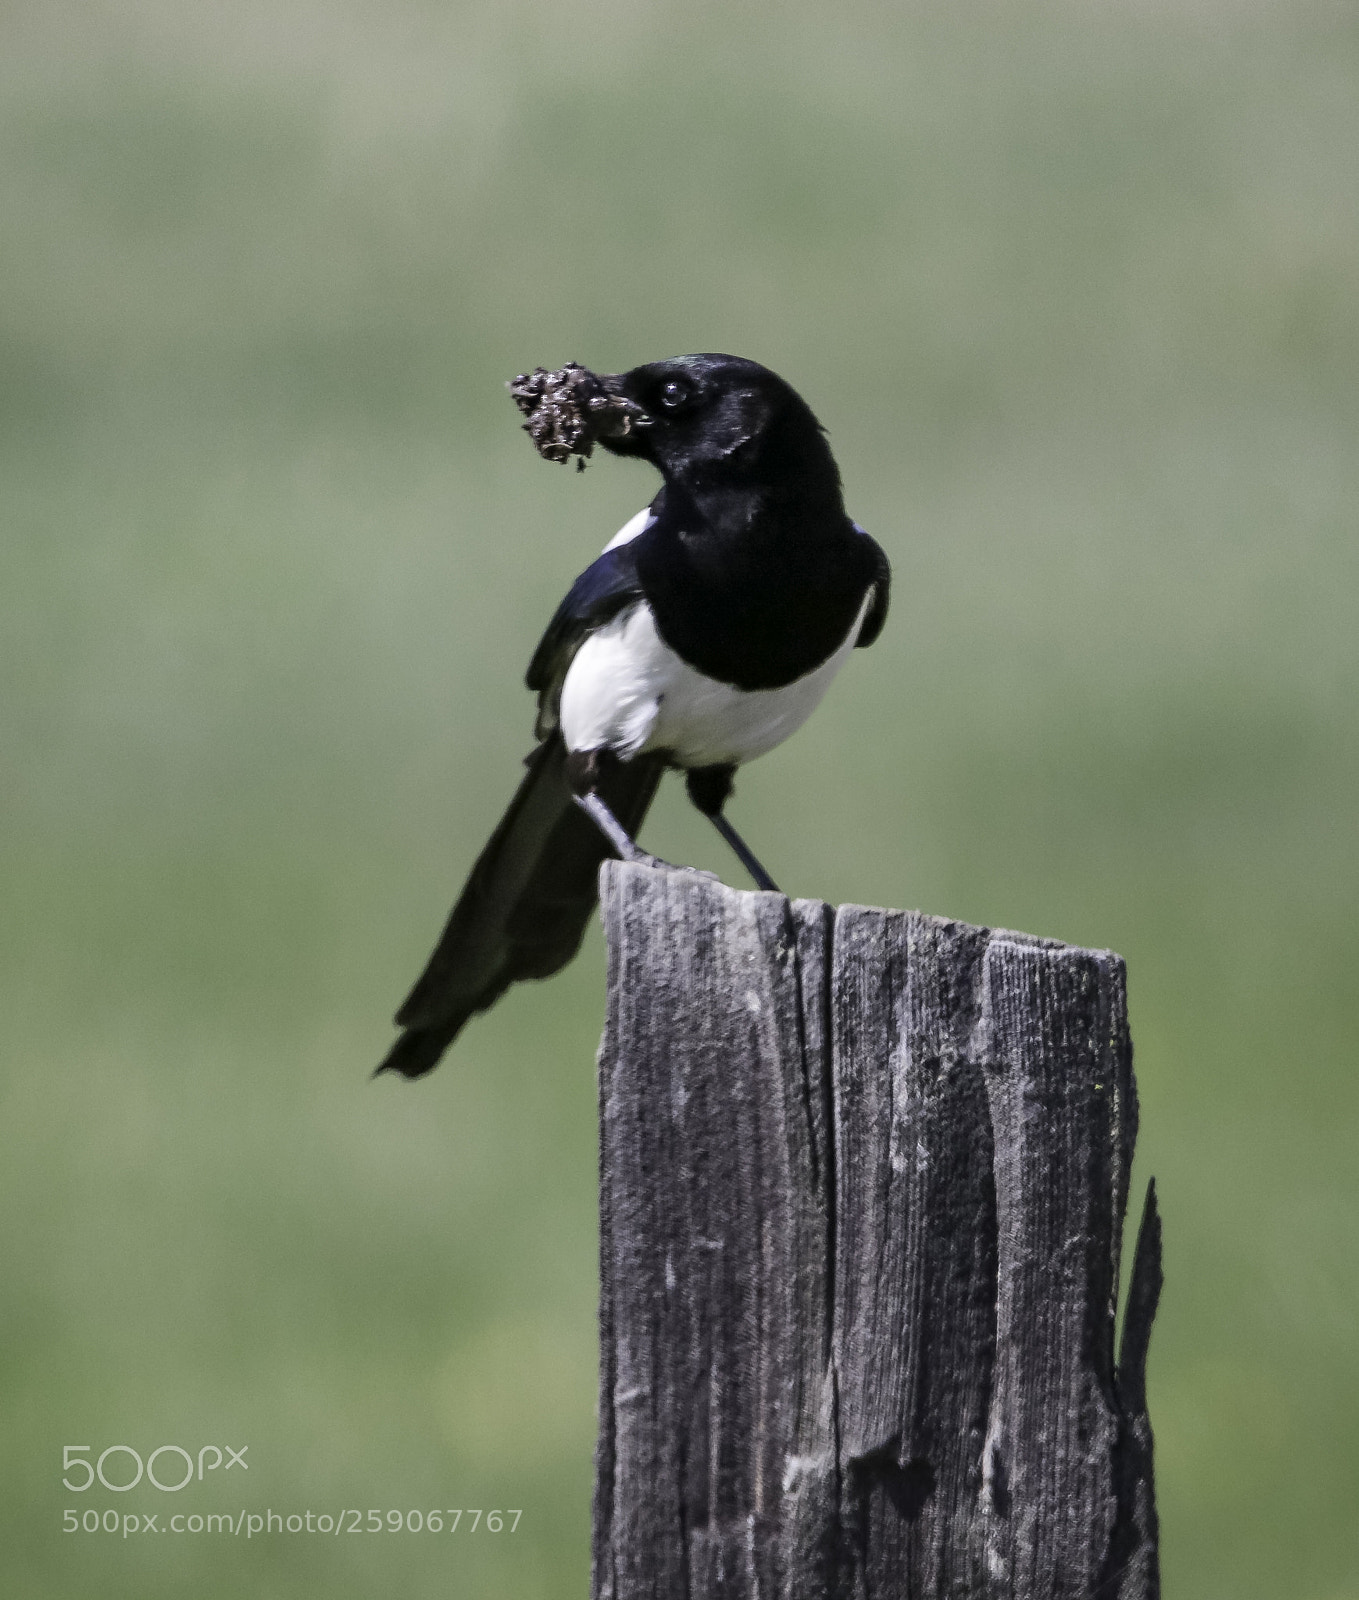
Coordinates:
627 691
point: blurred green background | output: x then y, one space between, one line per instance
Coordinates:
1074 289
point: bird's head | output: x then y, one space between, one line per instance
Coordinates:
719 419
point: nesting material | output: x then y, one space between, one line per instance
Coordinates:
566 411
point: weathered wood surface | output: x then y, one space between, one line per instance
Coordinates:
863 1179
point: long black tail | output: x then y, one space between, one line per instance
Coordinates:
523 911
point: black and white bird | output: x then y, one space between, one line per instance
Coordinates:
705 634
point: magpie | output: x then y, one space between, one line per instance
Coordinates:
707 632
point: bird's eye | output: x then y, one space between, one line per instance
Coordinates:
674 394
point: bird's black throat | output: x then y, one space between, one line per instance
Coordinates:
750 588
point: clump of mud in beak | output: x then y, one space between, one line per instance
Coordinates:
569 410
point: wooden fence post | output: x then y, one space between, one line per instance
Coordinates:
863 1177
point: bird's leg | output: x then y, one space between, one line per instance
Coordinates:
747 857
709 789
583 773
613 830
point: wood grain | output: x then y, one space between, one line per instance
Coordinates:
862 1181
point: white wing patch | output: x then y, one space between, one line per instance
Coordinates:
631 528
613 687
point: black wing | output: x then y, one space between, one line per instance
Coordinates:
604 589
524 909
882 592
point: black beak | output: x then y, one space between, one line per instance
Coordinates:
614 414
622 424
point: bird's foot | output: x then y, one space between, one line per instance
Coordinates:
640 858
626 847
622 841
